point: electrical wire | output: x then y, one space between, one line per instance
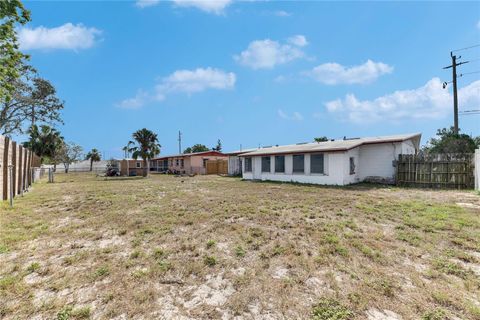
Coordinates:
474 46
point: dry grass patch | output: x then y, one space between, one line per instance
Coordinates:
211 247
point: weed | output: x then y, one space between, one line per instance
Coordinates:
448 267
101 272
240 251
210 261
436 314
158 254
331 309
210 243
33 267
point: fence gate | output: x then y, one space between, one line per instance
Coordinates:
443 171
217 167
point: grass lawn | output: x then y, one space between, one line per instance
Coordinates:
211 247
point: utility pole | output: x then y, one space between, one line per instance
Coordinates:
179 142
454 81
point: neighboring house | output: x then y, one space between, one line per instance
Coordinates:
131 167
235 161
189 163
337 162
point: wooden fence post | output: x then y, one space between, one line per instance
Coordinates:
5 169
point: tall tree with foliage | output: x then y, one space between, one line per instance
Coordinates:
33 101
447 141
196 148
94 156
147 147
45 141
68 153
218 147
12 13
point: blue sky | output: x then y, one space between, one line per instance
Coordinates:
255 72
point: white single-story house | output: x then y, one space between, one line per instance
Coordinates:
335 162
235 162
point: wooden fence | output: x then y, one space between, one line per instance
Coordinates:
217 166
447 171
16 165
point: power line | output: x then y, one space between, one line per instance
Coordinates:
466 48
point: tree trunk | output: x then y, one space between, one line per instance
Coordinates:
145 167
91 165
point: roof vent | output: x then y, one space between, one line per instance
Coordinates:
266 146
345 138
300 143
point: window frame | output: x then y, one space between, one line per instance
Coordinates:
323 163
138 164
352 165
249 168
269 158
293 163
275 164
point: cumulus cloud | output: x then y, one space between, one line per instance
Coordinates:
266 54
210 6
298 40
296 116
183 81
430 101
334 73
146 3
67 36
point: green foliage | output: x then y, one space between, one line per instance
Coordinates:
218 147
331 309
147 146
436 314
101 272
93 156
210 261
448 141
45 141
196 148
12 13
33 267
320 139
210 243
240 251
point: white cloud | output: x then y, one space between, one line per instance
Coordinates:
334 73
210 6
296 116
266 54
430 101
183 81
281 13
146 3
298 40
67 36
134 103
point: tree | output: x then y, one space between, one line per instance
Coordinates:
218 147
320 139
449 142
147 147
68 153
93 156
33 100
196 148
45 142
12 12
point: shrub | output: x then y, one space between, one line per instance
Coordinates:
210 261
331 309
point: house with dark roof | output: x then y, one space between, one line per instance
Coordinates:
335 162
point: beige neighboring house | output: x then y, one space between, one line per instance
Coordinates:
131 167
188 163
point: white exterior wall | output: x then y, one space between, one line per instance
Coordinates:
334 165
377 160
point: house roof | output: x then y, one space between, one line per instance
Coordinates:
238 152
182 155
332 146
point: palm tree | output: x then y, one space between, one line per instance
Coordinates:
93 155
45 142
127 149
147 147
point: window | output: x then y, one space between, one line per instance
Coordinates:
181 163
248 164
352 165
298 163
265 164
171 162
139 164
176 162
316 163
205 163
280 164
